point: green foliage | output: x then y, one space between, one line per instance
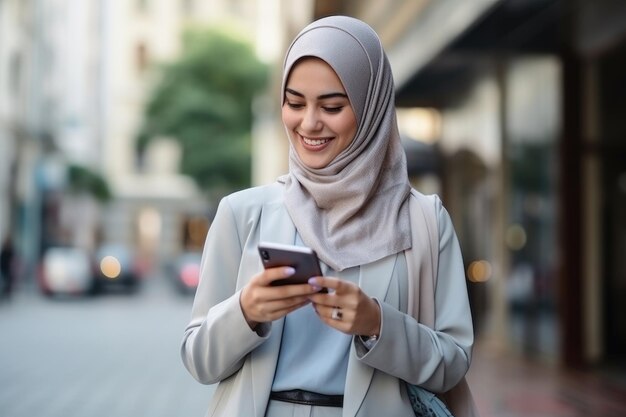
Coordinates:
204 101
82 179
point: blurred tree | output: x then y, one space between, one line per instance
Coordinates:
204 101
83 179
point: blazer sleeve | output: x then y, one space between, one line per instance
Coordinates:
218 338
436 359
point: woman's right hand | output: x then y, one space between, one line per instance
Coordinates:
261 302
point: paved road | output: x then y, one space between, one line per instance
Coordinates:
114 355
117 356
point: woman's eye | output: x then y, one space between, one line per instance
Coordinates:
333 109
295 106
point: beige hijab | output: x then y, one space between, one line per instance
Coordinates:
355 210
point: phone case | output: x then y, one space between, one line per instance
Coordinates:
304 260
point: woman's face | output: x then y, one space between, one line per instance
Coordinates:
317 113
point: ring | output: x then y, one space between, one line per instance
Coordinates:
336 314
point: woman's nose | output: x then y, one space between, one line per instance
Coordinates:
310 121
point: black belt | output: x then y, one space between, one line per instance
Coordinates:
298 396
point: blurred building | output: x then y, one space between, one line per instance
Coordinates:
11 37
155 206
521 104
74 79
20 123
279 22
152 200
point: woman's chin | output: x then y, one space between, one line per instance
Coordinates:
314 159
314 163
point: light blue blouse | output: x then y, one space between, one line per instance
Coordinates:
313 356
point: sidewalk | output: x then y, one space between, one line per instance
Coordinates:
510 386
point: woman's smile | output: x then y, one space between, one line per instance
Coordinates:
315 143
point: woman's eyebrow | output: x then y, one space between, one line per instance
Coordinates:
332 95
320 97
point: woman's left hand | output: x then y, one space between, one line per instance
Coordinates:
354 311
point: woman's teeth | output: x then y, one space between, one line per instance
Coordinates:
315 142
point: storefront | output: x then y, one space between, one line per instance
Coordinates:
549 214
533 164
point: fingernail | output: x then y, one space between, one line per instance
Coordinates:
313 283
289 271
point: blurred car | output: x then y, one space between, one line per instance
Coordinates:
66 270
116 267
185 271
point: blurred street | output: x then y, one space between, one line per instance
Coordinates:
117 355
122 124
110 355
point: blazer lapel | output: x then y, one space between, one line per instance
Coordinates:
275 226
374 281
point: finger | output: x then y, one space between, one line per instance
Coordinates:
342 321
279 272
294 307
328 282
280 292
270 275
271 278
276 309
330 299
341 293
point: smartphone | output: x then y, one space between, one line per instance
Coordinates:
304 260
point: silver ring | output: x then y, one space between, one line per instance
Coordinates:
336 314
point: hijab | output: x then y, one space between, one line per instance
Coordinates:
353 211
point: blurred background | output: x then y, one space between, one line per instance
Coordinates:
122 124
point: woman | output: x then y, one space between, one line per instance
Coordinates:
289 350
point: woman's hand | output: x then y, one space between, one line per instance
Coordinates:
357 313
261 302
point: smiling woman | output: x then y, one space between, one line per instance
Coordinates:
317 113
285 350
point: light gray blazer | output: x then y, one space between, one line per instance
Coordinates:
219 347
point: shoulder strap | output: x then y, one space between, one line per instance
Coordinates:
423 257
423 282
429 209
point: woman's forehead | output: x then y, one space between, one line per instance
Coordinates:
311 69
